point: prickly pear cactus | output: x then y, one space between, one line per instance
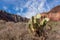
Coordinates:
36 24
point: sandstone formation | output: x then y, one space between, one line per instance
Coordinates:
53 14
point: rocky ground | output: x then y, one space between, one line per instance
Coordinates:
19 31
54 32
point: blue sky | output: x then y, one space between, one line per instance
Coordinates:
28 8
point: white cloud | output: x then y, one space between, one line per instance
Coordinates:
16 8
21 9
4 7
40 7
29 14
34 7
18 13
48 6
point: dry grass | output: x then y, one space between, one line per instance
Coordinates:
54 32
14 31
19 31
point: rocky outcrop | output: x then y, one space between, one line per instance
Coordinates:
11 17
54 14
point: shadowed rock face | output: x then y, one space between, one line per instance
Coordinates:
11 17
